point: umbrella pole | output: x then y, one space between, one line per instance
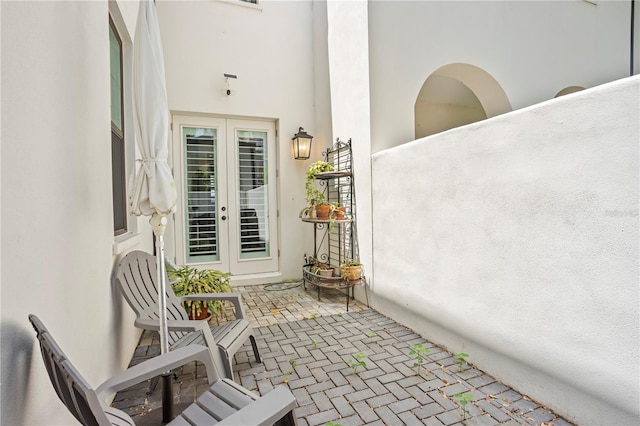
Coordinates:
159 223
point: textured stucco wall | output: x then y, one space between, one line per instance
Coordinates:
57 224
532 48
516 240
270 48
348 49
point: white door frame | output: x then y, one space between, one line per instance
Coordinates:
227 194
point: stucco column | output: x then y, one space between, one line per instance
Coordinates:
348 48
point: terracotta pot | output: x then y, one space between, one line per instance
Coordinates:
204 313
322 212
338 213
351 273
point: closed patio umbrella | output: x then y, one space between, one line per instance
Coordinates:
154 193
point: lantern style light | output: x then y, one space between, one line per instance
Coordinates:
301 145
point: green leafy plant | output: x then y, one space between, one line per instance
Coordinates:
358 361
187 281
463 400
314 196
372 333
314 343
331 424
418 352
351 269
461 360
315 266
313 315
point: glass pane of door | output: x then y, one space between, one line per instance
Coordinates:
202 239
253 194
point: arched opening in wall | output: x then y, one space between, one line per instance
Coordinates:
568 90
455 95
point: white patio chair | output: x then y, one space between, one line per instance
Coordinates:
225 402
136 278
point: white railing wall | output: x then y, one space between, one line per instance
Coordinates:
515 240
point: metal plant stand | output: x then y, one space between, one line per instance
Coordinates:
335 240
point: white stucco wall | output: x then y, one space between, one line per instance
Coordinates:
516 240
532 48
348 48
57 224
270 48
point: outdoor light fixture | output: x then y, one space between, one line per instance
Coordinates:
301 145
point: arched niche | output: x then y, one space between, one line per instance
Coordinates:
568 90
455 95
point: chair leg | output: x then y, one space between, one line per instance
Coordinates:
228 365
288 420
256 353
153 385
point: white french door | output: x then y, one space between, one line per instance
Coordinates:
226 216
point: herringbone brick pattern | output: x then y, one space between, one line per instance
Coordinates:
316 354
316 358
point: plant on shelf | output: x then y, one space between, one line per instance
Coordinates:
320 268
351 270
338 212
187 281
315 197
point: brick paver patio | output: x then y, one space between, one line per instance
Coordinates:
312 347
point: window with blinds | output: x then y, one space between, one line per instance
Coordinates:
201 188
253 194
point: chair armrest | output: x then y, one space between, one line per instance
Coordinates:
267 410
155 366
234 298
173 325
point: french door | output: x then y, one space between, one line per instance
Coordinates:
225 172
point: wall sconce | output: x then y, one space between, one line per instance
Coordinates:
301 145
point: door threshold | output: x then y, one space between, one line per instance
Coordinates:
256 279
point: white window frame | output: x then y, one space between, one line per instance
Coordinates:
128 239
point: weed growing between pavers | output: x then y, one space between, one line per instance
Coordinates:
359 361
461 360
463 400
290 372
418 352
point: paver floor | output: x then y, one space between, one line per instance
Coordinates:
344 368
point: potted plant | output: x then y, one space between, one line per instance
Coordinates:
321 269
338 212
315 197
187 281
351 270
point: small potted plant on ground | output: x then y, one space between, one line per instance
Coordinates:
187 281
351 270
